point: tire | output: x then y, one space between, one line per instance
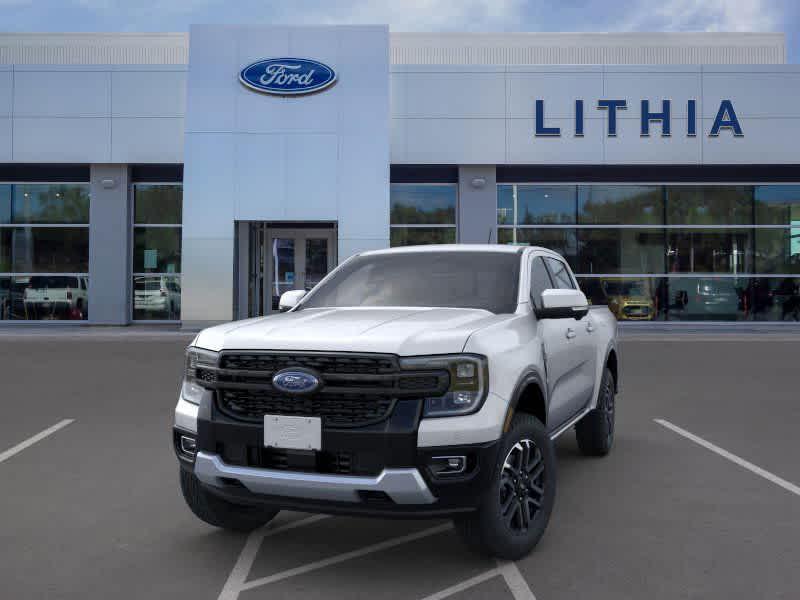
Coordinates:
499 528
218 512
595 431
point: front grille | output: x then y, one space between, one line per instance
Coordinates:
356 389
336 411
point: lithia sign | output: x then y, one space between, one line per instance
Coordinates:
725 120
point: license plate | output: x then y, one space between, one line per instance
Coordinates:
293 433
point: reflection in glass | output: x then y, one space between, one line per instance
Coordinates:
157 249
44 298
710 251
774 299
617 204
536 204
416 204
621 251
709 205
708 299
316 261
628 298
778 250
414 236
158 204
777 205
44 203
562 241
156 297
283 270
44 249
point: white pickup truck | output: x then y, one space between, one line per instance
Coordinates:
414 382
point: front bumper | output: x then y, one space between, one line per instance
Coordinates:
391 475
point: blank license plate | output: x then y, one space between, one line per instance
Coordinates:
293 433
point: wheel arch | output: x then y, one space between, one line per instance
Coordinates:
612 362
530 396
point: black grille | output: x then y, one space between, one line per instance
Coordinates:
336 411
356 389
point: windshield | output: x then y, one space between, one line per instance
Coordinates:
486 280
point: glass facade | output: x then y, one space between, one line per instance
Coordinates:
44 251
668 252
157 215
423 213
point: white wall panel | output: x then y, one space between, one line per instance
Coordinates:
210 89
259 197
753 94
350 246
629 148
524 147
79 140
5 139
765 141
455 141
62 93
147 140
311 177
558 90
6 87
363 215
209 182
148 93
455 95
207 282
678 87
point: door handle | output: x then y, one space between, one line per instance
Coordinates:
570 333
590 327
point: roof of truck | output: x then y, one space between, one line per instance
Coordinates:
499 248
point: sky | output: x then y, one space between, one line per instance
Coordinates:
414 15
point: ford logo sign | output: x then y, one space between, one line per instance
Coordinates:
294 381
287 76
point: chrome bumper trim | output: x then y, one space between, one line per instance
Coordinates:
404 486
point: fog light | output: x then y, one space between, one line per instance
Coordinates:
188 445
448 465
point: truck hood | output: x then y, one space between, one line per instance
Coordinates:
402 331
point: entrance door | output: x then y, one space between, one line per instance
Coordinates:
288 259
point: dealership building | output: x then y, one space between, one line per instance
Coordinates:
192 178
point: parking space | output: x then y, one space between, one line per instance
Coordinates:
93 509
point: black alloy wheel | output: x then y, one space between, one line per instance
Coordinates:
522 484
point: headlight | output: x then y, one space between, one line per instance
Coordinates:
200 368
469 383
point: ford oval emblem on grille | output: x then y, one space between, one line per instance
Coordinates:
295 381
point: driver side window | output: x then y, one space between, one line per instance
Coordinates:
540 281
560 274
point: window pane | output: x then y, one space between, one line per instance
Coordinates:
562 241
628 298
774 299
537 204
44 298
505 204
559 273
707 299
621 204
621 251
777 205
709 205
156 297
157 249
413 236
540 281
423 204
316 260
158 204
778 250
45 203
44 250
710 251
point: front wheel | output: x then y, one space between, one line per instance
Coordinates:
218 512
595 431
516 508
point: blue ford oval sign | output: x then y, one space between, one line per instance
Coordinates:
291 381
287 76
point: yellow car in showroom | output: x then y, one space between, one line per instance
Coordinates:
629 299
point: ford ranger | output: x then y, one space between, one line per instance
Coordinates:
412 382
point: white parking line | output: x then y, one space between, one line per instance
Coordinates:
4 456
515 581
464 585
240 571
333 560
788 486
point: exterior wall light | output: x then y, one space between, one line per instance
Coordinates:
478 182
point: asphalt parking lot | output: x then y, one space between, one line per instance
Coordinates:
92 509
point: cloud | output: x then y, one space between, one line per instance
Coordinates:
705 15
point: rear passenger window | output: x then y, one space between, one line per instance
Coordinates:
540 281
560 275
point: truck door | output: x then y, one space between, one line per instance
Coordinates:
569 356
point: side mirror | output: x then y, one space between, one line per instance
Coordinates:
562 304
290 299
